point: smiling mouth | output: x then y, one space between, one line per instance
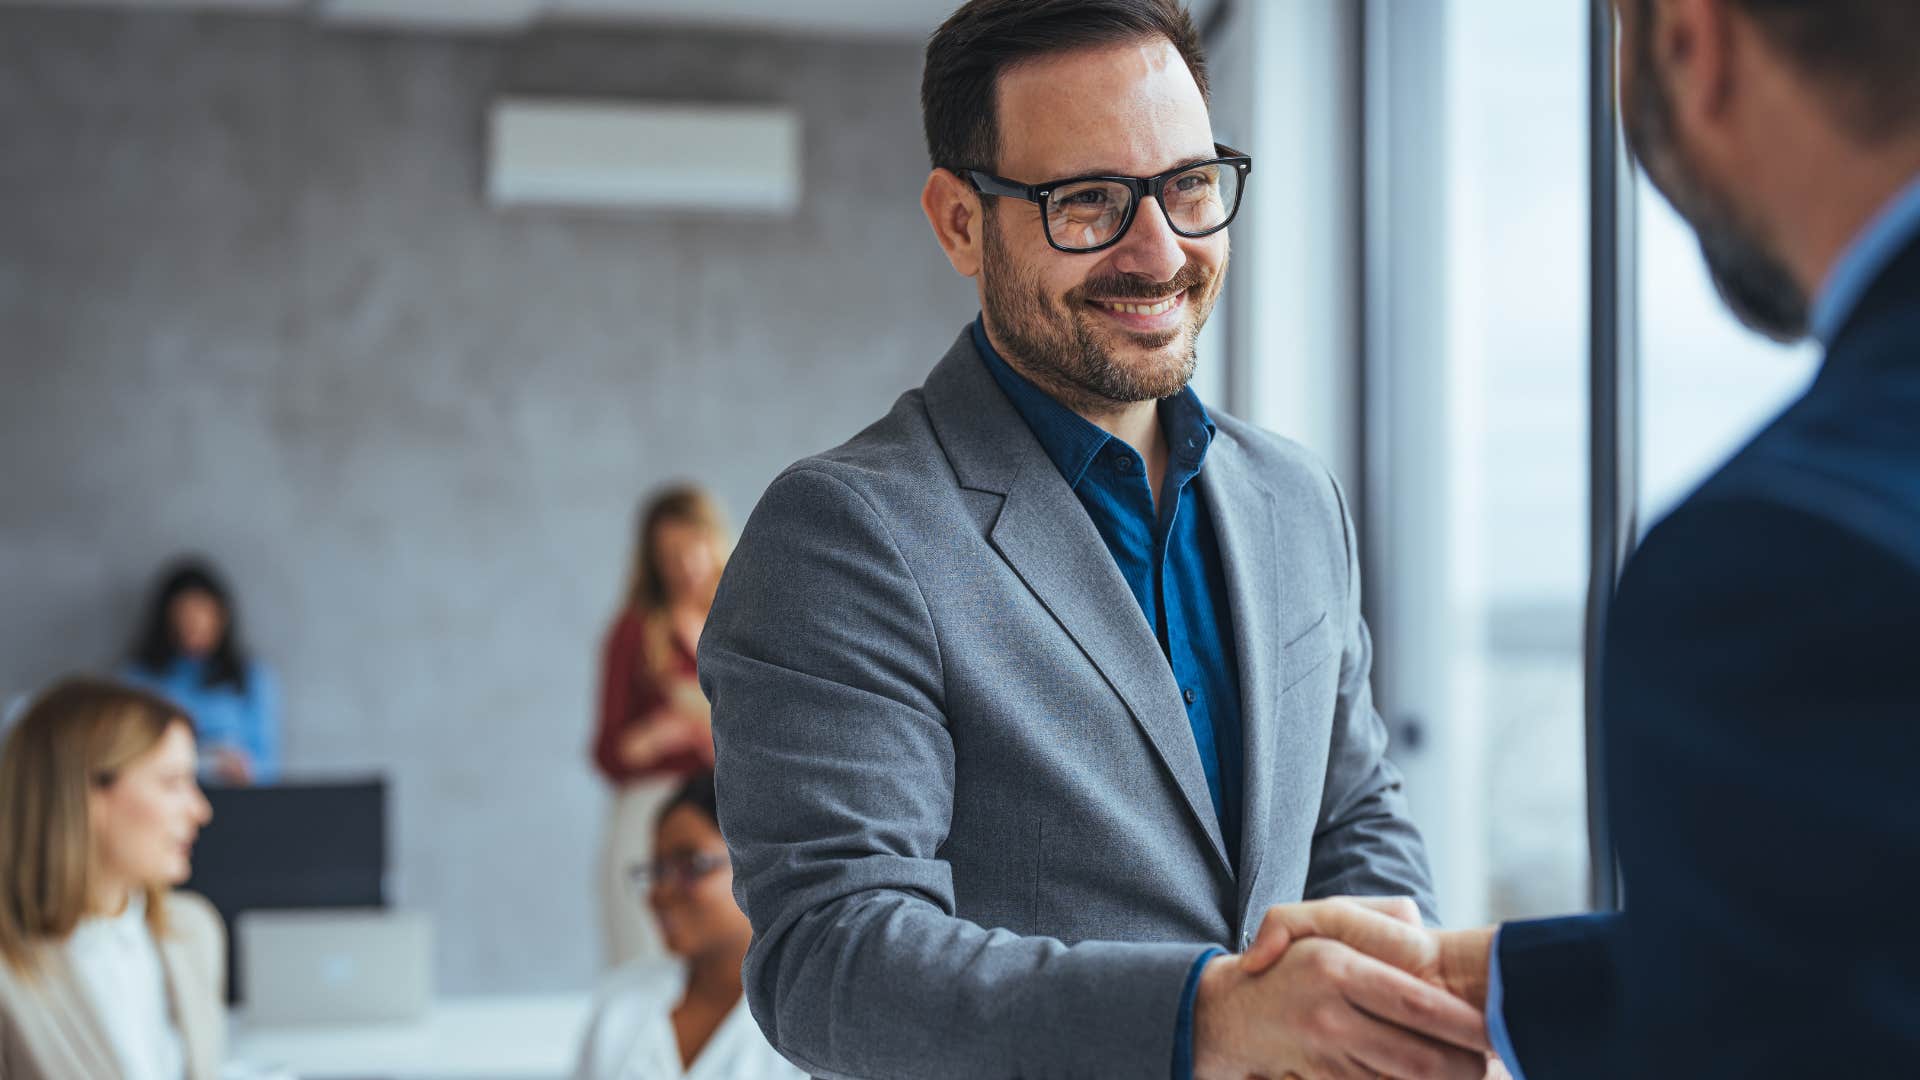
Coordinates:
1154 307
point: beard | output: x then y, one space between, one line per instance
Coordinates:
1753 281
1061 345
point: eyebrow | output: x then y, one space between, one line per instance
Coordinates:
1183 163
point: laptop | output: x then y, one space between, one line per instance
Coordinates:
336 966
243 862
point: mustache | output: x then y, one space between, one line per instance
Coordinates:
1136 287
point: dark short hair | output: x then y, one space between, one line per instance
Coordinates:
697 793
985 37
1866 53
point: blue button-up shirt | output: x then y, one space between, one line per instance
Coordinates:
1170 558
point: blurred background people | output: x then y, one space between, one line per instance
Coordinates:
190 649
639 1028
104 972
654 728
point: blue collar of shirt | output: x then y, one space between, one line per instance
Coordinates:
1895 227
1073 442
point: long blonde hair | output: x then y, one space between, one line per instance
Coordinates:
680 504
76 736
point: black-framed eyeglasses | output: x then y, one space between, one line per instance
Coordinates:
1084 214
675 872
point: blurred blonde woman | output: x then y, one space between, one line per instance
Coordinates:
654 728
105 972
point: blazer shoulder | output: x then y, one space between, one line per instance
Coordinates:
193 922
1846 455
895 455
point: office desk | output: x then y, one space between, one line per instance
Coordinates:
481 1038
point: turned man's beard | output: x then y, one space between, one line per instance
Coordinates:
1753 281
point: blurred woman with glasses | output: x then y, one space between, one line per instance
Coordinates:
190 650
654 1023
105 972
654 726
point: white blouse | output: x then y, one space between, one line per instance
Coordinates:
631 1035
119 967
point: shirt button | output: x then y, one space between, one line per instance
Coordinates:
1190 695
1123 463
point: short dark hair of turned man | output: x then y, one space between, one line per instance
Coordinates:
1864 55
966 56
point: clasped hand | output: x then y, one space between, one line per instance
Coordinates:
1347 989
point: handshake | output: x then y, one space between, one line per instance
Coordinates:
1347 989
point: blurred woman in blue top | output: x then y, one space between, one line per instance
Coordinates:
190 649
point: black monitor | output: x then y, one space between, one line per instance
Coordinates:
295 845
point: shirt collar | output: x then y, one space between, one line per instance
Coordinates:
1072 442
1890 232
128 926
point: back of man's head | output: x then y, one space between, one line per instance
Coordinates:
984 38
1862 55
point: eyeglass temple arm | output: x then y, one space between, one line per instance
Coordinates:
989 184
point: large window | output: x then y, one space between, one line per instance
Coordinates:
1516 362
1412 294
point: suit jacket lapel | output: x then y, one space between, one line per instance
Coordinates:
73 1012
1046 537
1246 521
199 1032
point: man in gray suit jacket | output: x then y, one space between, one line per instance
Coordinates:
1041 690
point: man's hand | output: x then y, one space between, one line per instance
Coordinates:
1327 1012
1454 960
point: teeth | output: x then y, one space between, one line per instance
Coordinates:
1160 308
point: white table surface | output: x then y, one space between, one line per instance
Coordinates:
533 1037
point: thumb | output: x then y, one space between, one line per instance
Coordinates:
1377 927
1400 907
1270 944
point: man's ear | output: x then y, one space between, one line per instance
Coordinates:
956 213
1693 54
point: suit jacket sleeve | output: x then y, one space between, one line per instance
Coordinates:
1364 844
1759 694
617 705
835 776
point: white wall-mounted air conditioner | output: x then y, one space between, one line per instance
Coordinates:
644 157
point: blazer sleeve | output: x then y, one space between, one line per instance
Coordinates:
263 723
836 778
1759 695
1364 843
617 658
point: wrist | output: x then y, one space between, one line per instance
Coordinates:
1210 1026
1465 959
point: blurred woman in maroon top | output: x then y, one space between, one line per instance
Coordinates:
655 728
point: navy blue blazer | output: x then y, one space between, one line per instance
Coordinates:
1761 690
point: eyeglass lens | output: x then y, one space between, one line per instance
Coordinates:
1092 212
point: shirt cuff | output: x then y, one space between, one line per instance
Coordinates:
1183 1027
1496 1020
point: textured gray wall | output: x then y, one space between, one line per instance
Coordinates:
253 305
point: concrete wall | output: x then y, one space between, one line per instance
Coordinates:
252 305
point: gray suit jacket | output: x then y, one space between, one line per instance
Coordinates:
967 815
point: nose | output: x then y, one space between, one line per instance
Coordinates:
1151 249
202 809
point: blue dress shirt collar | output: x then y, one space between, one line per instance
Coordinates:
1892 230
1073 443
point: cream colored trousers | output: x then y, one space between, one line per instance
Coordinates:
630 932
